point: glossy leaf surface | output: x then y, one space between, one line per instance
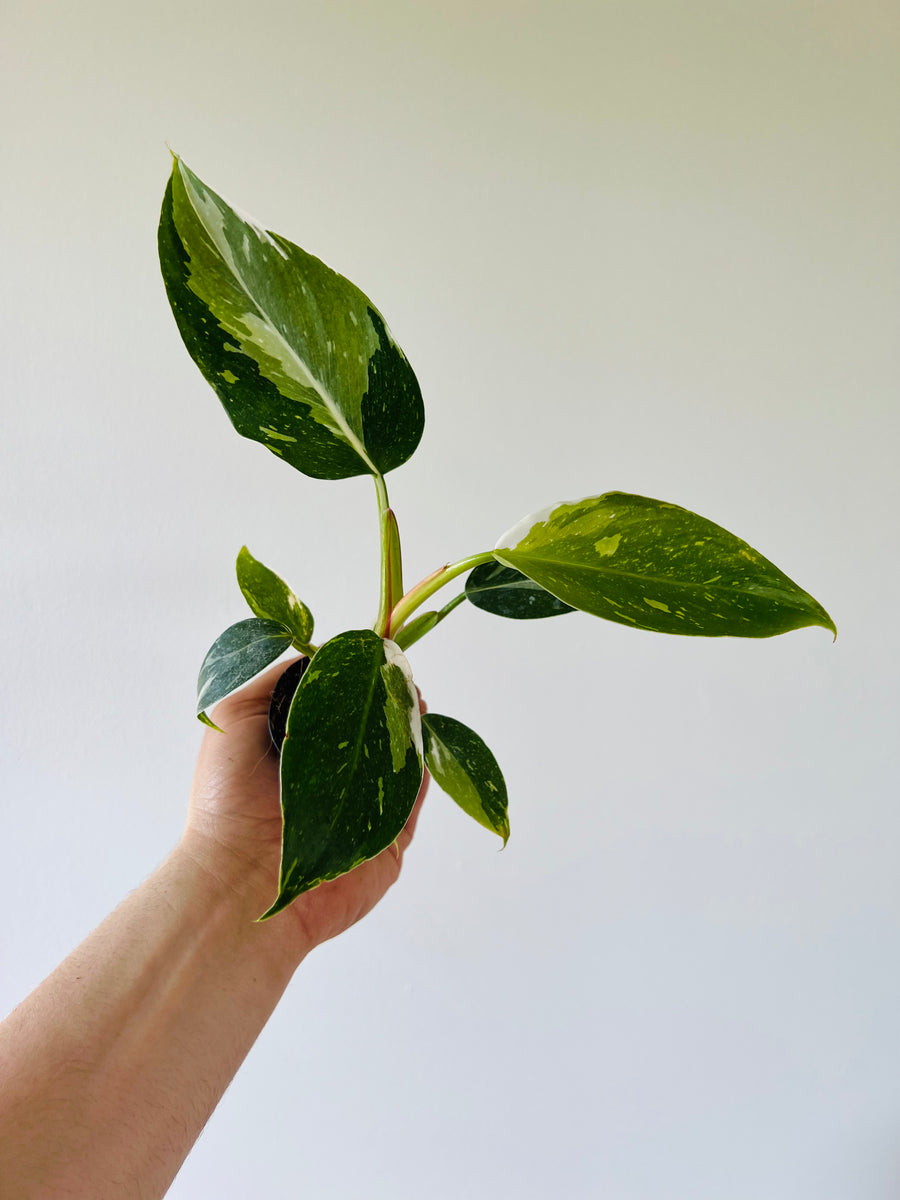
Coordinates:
351 763
271 598
236 655
656 566
463 766
508 593
300 359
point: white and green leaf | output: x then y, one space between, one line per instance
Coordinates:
463 766
301 360
351 763
236 655
656 566
270 597
508 593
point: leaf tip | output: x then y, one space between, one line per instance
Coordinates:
204 720
825 622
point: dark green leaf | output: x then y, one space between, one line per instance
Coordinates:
351 764
508 593
299 357
236 655
464 767
656 566
271 598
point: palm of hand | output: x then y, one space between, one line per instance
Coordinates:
234 822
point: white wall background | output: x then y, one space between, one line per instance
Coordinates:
634 244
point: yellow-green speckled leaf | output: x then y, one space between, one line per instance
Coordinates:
270 597
463 766
656 566
351 762
301 360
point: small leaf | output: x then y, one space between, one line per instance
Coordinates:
508 593
236 655
416 629
271 598
351 763
656 566
301 360
467 771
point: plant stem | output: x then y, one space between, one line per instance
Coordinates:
381 490
386 536
449 607
416 596
424 623
306 648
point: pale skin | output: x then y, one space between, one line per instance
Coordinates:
110 1069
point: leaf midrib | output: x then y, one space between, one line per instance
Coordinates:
660 579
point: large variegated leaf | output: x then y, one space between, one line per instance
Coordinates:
351 763
235 657
301 360
508 593
463 766
271 598
656 566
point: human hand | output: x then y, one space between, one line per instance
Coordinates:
233 828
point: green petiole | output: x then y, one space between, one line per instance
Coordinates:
416 596
425 622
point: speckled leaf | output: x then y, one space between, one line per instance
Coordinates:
271 598
236 655
300 359
351 763
656 566
464 767
508 593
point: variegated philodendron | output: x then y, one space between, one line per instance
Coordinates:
305 364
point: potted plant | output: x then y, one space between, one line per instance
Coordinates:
305 364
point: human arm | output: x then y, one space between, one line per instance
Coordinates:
110 1069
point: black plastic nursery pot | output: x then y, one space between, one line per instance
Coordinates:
280 704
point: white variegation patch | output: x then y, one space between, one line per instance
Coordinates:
522 528
394 656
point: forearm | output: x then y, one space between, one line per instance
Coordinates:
111 1068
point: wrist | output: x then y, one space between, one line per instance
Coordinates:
232 888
